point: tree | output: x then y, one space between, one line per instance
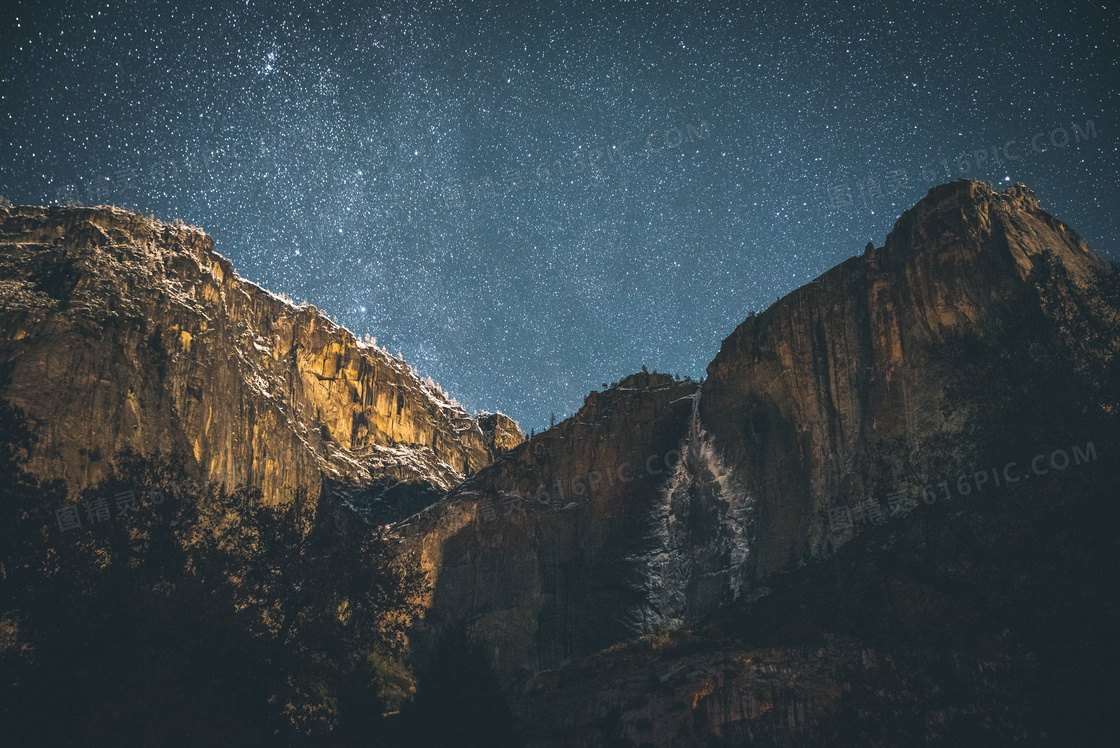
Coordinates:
205 618
320 584
126 636
459 700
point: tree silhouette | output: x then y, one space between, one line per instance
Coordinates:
199 618
458 699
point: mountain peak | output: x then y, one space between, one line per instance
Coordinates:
972 213
126 332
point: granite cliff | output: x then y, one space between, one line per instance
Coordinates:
121 332
660 502
839 390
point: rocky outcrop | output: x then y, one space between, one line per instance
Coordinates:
719 696
122 332
500 432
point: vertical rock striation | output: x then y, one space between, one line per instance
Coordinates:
832 393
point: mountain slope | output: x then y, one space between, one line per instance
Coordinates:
886 517
122 332
840 394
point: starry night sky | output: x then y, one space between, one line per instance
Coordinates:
527 199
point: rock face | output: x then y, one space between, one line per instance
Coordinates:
725 696
660 501
565 544
804 402
500 432
118 331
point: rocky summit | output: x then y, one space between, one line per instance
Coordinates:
886 516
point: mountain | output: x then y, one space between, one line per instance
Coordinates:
831 396
841 387
976 349
886 516
121 332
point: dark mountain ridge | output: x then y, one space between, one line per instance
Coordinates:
784 553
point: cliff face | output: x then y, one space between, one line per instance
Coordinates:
834 392
835 395
500 432
565 544
120 331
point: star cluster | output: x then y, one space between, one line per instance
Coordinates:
527 199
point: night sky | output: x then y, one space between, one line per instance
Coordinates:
528 199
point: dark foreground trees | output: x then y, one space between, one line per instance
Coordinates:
179 614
